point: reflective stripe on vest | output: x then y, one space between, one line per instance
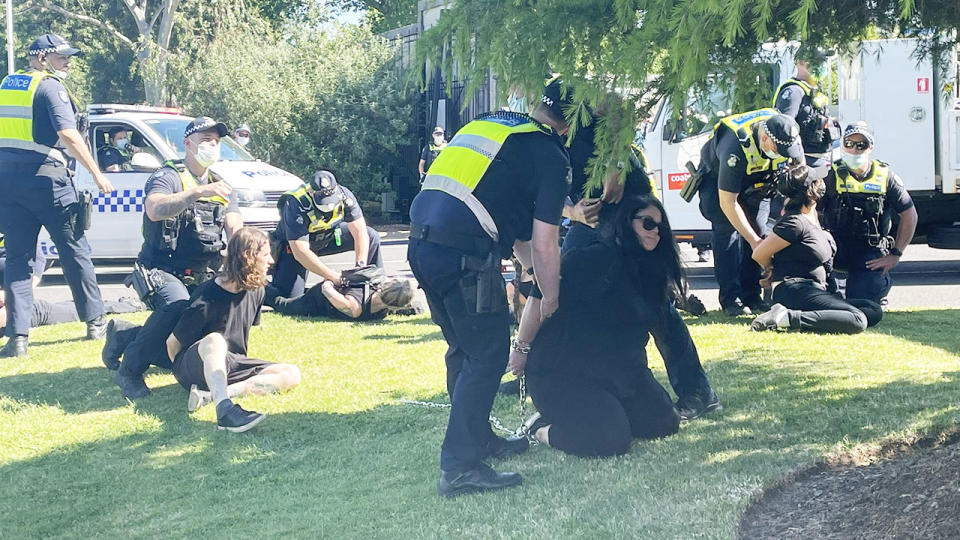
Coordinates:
317 224
875 184
16 114
435 148
458 169
189 182
742 125
817 98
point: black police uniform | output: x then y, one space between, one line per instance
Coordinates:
111 155
430 153
450 254
794 101
37 190
862 231
175 267
289 276
314 303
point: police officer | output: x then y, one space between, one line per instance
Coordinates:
863 195
737 168
800 98
501 180
115 156
38 124
242 135
431 151
317 219
186 212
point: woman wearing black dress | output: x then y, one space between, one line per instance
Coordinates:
587 367
798 258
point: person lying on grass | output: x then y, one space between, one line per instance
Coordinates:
797 258
352 302
208 346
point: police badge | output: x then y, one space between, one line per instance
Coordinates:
733 160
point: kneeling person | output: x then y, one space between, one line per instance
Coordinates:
209 344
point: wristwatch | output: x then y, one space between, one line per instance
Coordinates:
895 251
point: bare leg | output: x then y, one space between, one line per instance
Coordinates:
213 352
543 435
275 378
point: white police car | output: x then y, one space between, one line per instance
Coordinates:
157 133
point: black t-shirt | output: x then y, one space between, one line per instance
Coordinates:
527 180
731 163
357 294
214 309
810 253
167 181
896 200
52 112
429 154
295 225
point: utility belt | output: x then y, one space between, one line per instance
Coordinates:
481 283
145 281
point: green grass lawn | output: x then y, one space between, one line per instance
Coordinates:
340 457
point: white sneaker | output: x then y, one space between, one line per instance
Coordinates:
198 398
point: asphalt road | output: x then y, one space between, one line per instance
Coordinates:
926 277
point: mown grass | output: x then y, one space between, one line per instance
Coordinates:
340 458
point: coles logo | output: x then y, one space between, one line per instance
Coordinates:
677 180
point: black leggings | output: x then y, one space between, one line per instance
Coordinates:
587 420
812 308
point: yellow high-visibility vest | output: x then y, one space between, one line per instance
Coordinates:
16 113
741 125
317 222
875 184
817 98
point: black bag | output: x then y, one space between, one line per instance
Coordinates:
370 274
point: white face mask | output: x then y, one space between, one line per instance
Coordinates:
771 154
438 139
242 141
207 153
856 161
60 74
122 143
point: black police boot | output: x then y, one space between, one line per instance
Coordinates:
119 334
757 305
698 404
131 386
509 388
96 328
15 347
504 448
482 478
737 309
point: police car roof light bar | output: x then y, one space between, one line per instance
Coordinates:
106 108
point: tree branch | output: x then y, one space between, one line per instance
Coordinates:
46 4
154 20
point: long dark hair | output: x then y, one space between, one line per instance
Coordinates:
799 188
659 270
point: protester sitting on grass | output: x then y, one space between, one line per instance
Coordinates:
208 346
798 258
587 368
351 302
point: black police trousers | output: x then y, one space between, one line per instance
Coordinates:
28 201
478 345
168 301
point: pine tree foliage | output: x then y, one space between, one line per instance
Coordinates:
625 55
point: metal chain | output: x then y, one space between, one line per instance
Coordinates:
432 405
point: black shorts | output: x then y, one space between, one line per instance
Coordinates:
188 368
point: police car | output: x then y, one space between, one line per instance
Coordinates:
157 135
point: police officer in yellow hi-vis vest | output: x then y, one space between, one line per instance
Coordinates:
38 137
737 168
431 151
186 212
500 182
863 195
319 218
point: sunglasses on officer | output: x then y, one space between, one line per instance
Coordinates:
859 145
648 222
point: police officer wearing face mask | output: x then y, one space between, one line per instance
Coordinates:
116 156
186 212
737 170
317 219
863 195
432 150
242 135
38 128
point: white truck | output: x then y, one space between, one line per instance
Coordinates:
914 110
115 231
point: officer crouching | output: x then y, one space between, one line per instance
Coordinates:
863 195
38 126
186 212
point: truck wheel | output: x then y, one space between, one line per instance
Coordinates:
944 236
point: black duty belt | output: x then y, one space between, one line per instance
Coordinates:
474 245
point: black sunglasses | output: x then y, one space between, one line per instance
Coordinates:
649 223
859 145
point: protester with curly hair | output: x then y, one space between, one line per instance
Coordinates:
208 346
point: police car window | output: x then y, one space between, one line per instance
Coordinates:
171 130
101 140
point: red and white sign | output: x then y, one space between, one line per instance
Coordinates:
923 85
677 180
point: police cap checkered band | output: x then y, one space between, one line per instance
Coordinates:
859 128
51 43
205 123
554 96
785 132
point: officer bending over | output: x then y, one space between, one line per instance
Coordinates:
737 167
473 208
38 126
186 212
863 195
317 219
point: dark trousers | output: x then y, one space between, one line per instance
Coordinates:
150 346
587 419
28 202
738 275
477 351
309 304
671 335
862 282
46 313
290 277
816 310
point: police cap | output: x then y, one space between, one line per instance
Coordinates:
205 123
786 133
326 192
859 128
555 98
52 43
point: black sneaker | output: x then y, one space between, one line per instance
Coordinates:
238 420
482 478
131 386
698 404
737 310
96 328
115 343
774 319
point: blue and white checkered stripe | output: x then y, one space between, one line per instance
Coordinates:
120 201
